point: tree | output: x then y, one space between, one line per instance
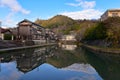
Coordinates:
97 32
113 30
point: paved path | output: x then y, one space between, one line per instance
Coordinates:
25 47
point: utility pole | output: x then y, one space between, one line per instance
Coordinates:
0 30
0 26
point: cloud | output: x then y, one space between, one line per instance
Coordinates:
84 77
9 20
83 4
85 68
87 12
14 6
84 14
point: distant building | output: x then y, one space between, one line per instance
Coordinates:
14 31
6 34
110 13
68 38
28 30
50 35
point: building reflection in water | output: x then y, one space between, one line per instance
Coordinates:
28 59
68 46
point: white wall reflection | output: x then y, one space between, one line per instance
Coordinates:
68 47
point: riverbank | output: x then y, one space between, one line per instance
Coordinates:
101 49
26 47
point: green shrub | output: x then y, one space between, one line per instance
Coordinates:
113 30
7 36
95 32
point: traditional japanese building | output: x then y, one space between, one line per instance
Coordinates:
28 30
6 34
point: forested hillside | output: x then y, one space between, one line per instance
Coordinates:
60 24
105 33
63 24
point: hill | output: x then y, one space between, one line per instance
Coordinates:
55 21
59 23
65 25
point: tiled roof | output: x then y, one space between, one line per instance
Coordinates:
113 10
4 30
25 20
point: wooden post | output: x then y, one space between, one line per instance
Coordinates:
12 37
30 32
2 36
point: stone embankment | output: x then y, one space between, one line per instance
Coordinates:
26 47
102 49
16 45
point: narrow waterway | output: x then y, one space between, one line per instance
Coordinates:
65 62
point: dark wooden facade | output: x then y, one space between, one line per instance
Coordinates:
28 30
6 34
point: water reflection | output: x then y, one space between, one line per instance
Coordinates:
86 68
108 66
28 59
68 47
56 63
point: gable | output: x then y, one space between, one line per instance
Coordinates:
25 23
6 31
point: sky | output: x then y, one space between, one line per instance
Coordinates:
14 11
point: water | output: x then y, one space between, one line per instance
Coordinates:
67 62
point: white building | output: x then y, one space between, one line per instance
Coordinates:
110 13
68 38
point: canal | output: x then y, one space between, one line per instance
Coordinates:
66 62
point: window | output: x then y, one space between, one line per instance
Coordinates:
114 14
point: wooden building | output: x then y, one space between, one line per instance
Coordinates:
6 34
28 30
